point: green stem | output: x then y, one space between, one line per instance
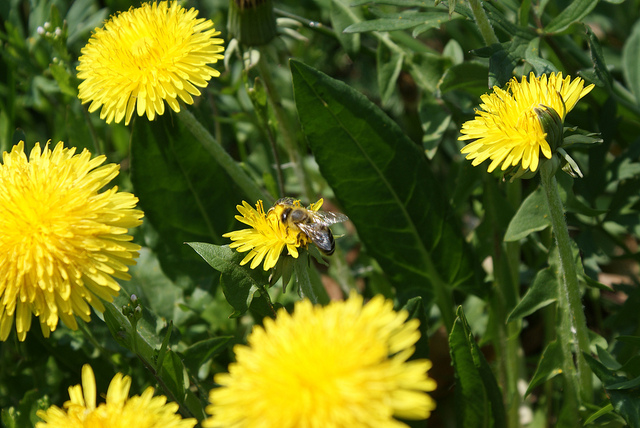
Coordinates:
573 330
284 125
483 22
248 186
444 300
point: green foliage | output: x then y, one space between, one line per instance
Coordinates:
360 102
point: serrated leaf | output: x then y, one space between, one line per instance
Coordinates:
542 292
478 397
532 216
631 62
383 183
239 283
184 193
549 366
573 13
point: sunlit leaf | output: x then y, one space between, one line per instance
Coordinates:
383 183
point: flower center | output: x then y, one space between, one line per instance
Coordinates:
144 48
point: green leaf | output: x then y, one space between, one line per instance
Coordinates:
549 366
239 283
573 13
478 397
532 216
471 77
435 121
304 280
597 57
384 184
400 21
624 400
183 192
426 69
172 374
631 62
63 79
543 292
342 15
405 3
605 410
389 66
416 309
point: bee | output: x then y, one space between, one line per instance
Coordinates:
310 222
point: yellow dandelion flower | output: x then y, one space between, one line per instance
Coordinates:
62 242
267 237
342 365
507 130
154 53
118 411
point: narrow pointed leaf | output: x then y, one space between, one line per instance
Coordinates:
479 401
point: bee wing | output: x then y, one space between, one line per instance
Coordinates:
326 218
318 235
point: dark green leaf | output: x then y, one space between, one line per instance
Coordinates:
543 292
631 62
532 216
573 13
549 366
384 185
172 374
625 401
389 67
597 57
479 400
427 69
183 192
416 309
239 283
471 77
435 121
144 339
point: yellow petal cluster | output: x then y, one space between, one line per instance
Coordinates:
62 241
267 236
342 365
507 130
118 411
148 55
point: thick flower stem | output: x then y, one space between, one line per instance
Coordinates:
483 22
248 186
573 329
